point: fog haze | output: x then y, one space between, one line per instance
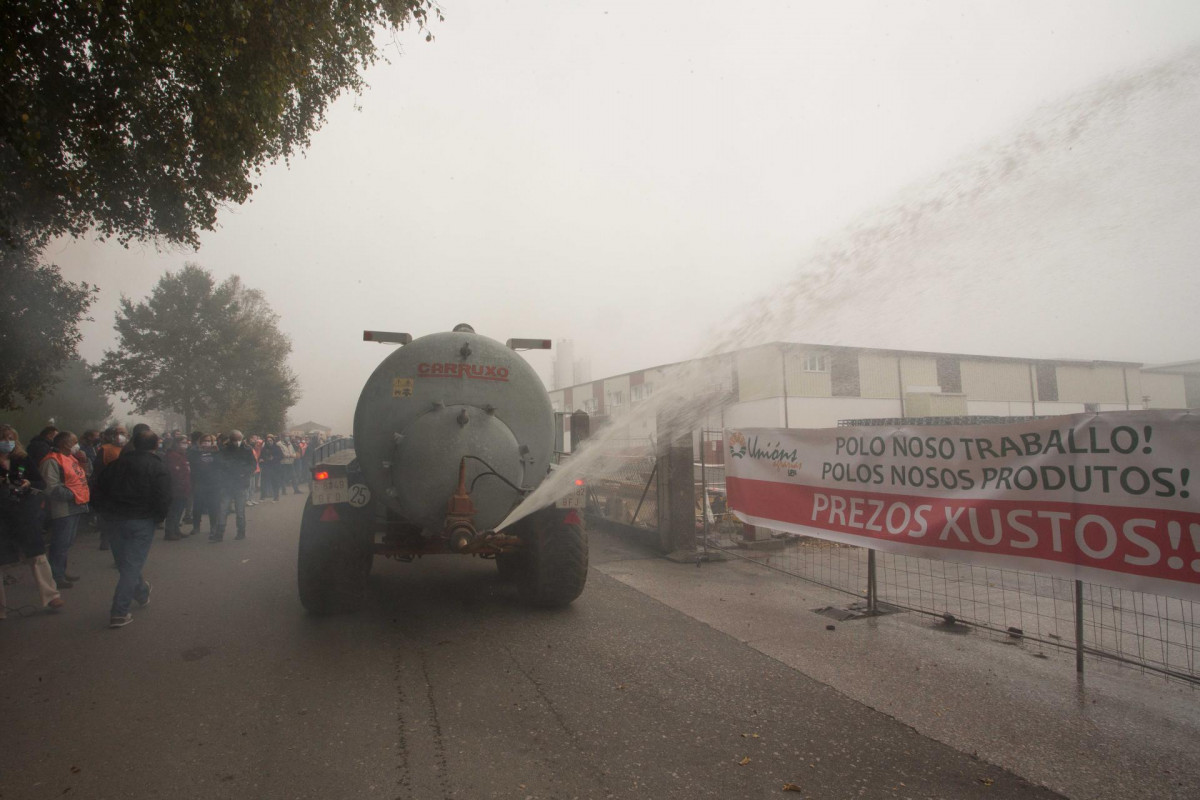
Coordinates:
629 175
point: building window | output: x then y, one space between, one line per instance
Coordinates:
949 375
814 362
637 393
1047 382
589 405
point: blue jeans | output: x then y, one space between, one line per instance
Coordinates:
62 536
238 496
130 540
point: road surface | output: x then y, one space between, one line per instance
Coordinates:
444 686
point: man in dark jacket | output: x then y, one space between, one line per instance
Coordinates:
235 466
134 494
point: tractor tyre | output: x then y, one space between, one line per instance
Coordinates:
556 565
333 565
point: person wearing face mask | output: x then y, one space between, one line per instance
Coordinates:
235 466
206 483
20 519
68 493
114 440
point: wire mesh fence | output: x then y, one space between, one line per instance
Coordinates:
1150 632
623 487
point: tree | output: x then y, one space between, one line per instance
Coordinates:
205 350
39 325
75 403
141 119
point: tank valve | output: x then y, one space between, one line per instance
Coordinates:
460 513
463 419
465 351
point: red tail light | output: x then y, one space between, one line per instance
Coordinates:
321 475
579 481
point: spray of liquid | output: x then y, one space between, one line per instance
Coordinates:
1078 210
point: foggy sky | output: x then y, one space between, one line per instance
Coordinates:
629 177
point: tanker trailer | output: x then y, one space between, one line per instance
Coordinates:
451 432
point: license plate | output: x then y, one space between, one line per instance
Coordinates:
576 498
332 490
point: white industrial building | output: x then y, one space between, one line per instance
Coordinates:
813 386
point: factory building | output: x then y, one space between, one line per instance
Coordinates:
813 386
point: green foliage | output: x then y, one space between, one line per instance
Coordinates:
75 403
39 325
141 118
205 350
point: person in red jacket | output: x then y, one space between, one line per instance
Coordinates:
181 488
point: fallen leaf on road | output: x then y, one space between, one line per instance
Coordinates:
744 761
791 787
245 561
986 781
75 770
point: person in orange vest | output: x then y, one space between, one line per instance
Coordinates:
114 442
67 490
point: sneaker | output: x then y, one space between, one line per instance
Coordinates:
71 578
120 622
55 604
240 536
144 601
215 539
172 537
63 583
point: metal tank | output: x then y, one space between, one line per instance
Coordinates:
452 431
444 398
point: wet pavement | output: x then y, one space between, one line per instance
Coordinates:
444 686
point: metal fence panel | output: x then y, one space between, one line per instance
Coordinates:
1151 632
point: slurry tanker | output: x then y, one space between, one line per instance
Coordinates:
451 432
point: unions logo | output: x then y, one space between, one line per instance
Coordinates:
772 452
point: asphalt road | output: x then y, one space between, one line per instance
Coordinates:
444 686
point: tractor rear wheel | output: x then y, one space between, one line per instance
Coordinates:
556 564
333 565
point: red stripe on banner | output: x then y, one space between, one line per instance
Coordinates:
1143 542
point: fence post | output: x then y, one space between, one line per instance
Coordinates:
704 485
1079 627
872 588
676 486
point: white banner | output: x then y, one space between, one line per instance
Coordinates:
1109 498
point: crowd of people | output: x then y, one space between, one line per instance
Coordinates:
126 486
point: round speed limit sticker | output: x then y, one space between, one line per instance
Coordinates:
360 495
